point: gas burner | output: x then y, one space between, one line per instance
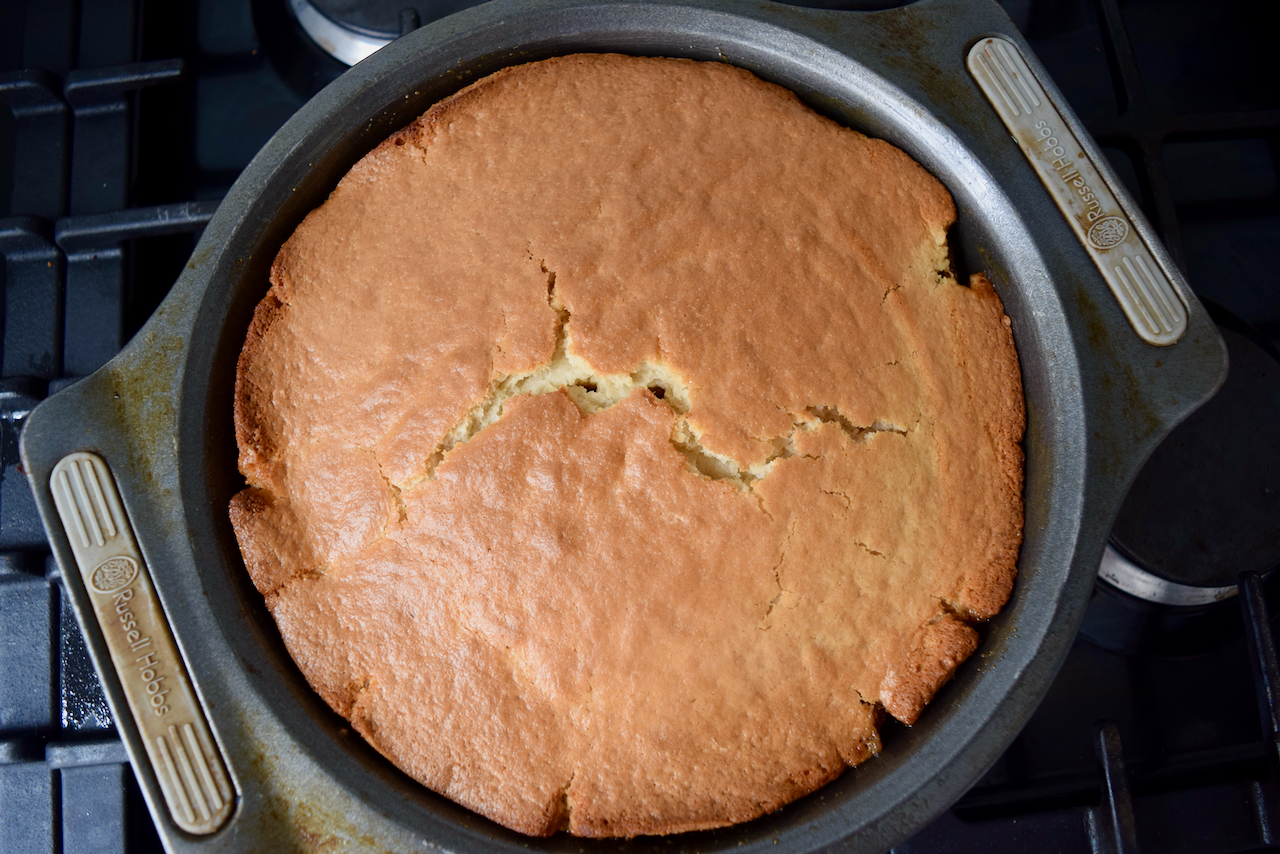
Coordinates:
1122 623
350 30
1206 506
311 42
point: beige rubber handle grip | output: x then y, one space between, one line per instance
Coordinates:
180 748
1140 284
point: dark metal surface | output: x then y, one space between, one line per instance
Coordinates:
39 175
1112 828
93 246
384 17
99 172
1141 129
33 299
1098 401
1266 666
1206 506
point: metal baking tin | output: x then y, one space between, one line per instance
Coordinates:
1099 399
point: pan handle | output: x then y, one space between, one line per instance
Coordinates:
1140 283
100 457
175 734
1150 364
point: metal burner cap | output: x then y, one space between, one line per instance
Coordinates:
1136 581
1206 507
350 30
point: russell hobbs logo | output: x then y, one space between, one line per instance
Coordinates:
113 574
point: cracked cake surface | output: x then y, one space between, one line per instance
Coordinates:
621 448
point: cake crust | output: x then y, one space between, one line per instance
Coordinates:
620 446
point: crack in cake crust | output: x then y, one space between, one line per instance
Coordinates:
595 391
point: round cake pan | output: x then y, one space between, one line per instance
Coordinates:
158 420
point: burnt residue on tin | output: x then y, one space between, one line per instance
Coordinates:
289 818
911 44
1123 395
143 397
829 23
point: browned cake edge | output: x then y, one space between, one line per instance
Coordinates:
940 646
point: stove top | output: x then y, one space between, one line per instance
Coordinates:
125 121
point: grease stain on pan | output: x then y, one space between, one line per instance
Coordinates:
144 382
144 396
908 48
1124 392
200 257
1036 445
830 23
289 819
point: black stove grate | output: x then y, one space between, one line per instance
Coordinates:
126 120
1192 813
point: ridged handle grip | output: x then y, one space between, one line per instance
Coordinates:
179 745
1140 283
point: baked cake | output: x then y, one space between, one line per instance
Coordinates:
621 446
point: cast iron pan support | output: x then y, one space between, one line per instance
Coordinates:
1099 400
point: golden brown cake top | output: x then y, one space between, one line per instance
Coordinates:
619 442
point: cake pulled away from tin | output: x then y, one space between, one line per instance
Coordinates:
620 446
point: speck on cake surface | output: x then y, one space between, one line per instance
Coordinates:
620 447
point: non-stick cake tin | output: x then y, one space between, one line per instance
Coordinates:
133 466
